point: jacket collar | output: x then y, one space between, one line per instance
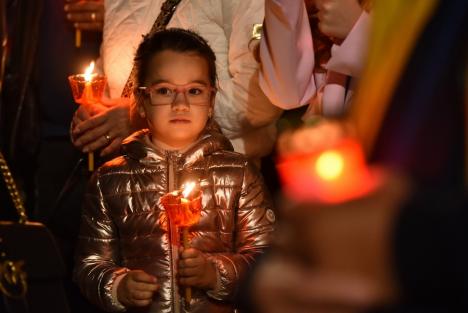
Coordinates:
138 146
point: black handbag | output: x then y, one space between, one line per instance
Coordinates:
31 268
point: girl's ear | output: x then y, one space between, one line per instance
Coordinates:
141 110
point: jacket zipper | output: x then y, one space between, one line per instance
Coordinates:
173 237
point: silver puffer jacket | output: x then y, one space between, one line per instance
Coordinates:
124 225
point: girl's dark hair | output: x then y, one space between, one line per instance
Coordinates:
174 39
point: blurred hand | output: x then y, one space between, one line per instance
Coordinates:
196 270
101 125
86 14
337 17
283 285
309 139
333 258
137 289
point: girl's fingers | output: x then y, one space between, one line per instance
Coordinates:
141 302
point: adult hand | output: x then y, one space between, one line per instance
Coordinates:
337 17
284 285
196 270
86 14
137 288
101 125
333 258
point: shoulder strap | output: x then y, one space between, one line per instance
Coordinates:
13 190
167 10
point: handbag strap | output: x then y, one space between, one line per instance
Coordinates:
13 190
167 10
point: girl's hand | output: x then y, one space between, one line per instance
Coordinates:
196 270
137 288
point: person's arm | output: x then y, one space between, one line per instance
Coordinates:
287 54
254 229
97 250
349 57
241 104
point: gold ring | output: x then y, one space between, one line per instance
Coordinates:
93 16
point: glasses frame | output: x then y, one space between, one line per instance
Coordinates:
178 89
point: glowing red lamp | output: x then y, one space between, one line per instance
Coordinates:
87 89
332 175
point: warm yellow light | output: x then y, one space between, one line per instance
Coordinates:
188 189
88 72
329 165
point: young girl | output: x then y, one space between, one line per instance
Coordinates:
127 255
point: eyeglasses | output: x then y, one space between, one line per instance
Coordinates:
166 93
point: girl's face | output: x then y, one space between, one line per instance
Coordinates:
181 99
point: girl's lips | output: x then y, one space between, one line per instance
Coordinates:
179 120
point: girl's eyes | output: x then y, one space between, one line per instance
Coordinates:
164 91
195 91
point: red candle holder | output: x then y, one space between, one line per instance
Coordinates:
336 174
183 212
87 89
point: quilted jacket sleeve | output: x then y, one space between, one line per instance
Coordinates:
97 251
255 221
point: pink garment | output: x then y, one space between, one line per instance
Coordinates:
287 56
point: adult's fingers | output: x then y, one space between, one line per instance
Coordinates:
81 114
86 15
90 124
94 138
95 26
114 145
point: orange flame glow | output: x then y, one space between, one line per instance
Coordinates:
188 189
88 72
329 165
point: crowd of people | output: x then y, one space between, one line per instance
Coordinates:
203 91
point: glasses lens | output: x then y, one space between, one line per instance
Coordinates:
198 95
161 95
164 94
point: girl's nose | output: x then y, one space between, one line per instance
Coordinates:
180 102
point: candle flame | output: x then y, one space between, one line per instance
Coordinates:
188 189
329 165
88 72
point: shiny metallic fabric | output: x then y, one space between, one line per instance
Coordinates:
124 225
